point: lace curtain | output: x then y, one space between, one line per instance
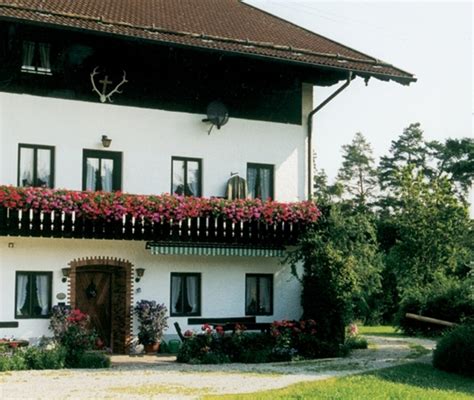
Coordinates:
21 286
26 166
192 292
99 174
259 182
42 291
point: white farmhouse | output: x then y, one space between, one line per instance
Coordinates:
199 99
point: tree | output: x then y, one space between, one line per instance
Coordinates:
341 269
358 175
408 150
323 193
454 159
434 232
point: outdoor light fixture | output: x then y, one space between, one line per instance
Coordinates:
139 272
106 141
65 272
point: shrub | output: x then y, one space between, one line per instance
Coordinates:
71 329
38 358
312 347
356 342
353 340
447 300
287 340
455 351
152 321
14 362
93 359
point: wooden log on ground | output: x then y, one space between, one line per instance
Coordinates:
430 320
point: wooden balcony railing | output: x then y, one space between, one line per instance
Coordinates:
34 223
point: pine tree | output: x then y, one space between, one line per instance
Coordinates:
358 175
408 150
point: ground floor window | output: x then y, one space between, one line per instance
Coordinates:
258 294
185 294
33 294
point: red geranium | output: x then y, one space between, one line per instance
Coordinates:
165 207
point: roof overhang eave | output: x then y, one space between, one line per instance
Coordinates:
404 80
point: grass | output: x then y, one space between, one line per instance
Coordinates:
156 390
414 381
380 330
417 351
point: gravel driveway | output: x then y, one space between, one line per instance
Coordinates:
151 377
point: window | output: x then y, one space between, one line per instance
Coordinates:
33 294
101 170
36 58
186 176
185 294
258 294
260 181
35 165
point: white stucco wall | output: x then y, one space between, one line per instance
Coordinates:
148 139
222 278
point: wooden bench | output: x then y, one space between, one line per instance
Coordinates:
222 321
228 324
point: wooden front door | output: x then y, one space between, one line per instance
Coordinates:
93 296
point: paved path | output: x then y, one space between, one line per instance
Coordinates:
151 377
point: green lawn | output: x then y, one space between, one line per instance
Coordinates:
407 382
379 330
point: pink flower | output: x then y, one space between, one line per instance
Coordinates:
162 208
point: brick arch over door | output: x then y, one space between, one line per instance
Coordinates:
121 294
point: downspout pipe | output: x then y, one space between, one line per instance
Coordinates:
310 132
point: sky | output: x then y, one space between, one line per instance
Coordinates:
433 40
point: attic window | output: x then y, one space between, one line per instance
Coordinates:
36 58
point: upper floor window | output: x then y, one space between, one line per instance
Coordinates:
33 294
36 58
35 165
185 294
260 181
186 176
101 170
258 294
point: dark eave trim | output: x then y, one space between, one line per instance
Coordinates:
363 73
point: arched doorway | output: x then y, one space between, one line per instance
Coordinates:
102 288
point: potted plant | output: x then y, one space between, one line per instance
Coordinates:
153 321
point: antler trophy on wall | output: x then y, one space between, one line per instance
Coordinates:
103 95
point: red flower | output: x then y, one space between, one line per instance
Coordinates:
163 208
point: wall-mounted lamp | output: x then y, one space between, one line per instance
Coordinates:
65 272
139 272
106 141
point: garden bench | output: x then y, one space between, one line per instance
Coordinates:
228 324
222 321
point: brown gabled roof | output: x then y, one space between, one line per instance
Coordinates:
221 25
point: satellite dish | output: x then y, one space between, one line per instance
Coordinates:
217 114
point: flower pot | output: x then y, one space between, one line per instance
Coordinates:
152 348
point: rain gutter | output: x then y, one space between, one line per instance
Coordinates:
310 131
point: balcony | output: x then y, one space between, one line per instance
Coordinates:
214 222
